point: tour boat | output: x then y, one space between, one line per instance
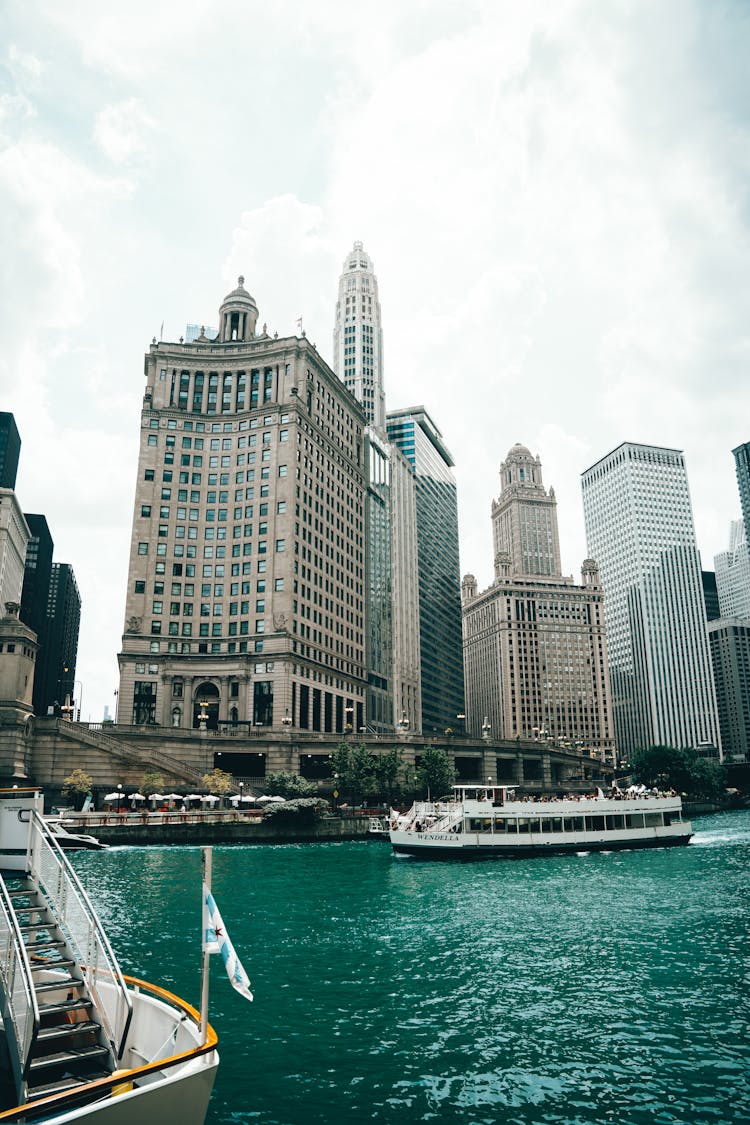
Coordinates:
82 1043
488 820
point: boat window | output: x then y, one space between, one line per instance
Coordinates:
525 824
615 821
511 826
501 824
653 819
573 824
595 823
634 820
668 818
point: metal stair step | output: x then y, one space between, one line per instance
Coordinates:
54 1009
63 1084
73 1057
32 927
63 982
38 944
38 965
60 1030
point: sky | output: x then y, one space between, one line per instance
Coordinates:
554 196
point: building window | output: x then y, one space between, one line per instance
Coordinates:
143 548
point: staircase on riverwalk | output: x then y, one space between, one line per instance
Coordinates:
134 755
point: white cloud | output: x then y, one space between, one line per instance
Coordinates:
122 131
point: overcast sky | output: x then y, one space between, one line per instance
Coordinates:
554 195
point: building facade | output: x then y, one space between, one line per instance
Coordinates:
14 535
246 602
730 652
733 574
358 336
35 593
415 434
10 450
58 654
742 468
710 594
639 528
535 647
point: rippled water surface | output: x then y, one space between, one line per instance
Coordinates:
567 990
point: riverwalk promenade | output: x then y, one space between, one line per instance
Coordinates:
196 827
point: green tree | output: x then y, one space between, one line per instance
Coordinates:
435 773
355 767
665 767
152 783
78 786
218 782
389 769
286 784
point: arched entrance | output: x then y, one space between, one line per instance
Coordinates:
206 706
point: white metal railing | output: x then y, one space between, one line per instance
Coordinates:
20 1009
78 921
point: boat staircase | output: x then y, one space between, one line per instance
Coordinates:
64 1003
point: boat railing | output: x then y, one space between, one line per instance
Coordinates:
59 884
20 1010
104 1088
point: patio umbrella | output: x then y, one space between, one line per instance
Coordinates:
277 798
113 796
262 800
193 797
136 797
157 797
210 797
248 799
173 797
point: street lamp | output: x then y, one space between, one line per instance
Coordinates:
335 792
286 721
348 712
119 794
461 718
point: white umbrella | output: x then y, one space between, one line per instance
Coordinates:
113 796
277 798
157 797
136 797
173 797
248 800
210 797
264 798
193 797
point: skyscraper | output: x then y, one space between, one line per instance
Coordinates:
730 651
10 450
733 574
358 336
639 528
35 594
14 535
742 468
245 600
420 441
535 649
56 666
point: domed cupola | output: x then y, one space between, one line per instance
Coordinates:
238 316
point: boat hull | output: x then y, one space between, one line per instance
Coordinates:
406 844
183 1098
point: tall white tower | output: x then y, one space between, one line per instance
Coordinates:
639 528
358 336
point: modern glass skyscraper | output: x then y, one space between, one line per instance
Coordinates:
36 584
639 529
10 450
358 336
56 666
416 435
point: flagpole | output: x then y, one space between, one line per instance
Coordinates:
206 859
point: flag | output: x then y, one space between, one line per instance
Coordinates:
215 940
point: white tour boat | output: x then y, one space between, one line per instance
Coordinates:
488 820
81 1043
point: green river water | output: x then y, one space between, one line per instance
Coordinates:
569 990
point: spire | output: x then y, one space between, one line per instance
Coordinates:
358 335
